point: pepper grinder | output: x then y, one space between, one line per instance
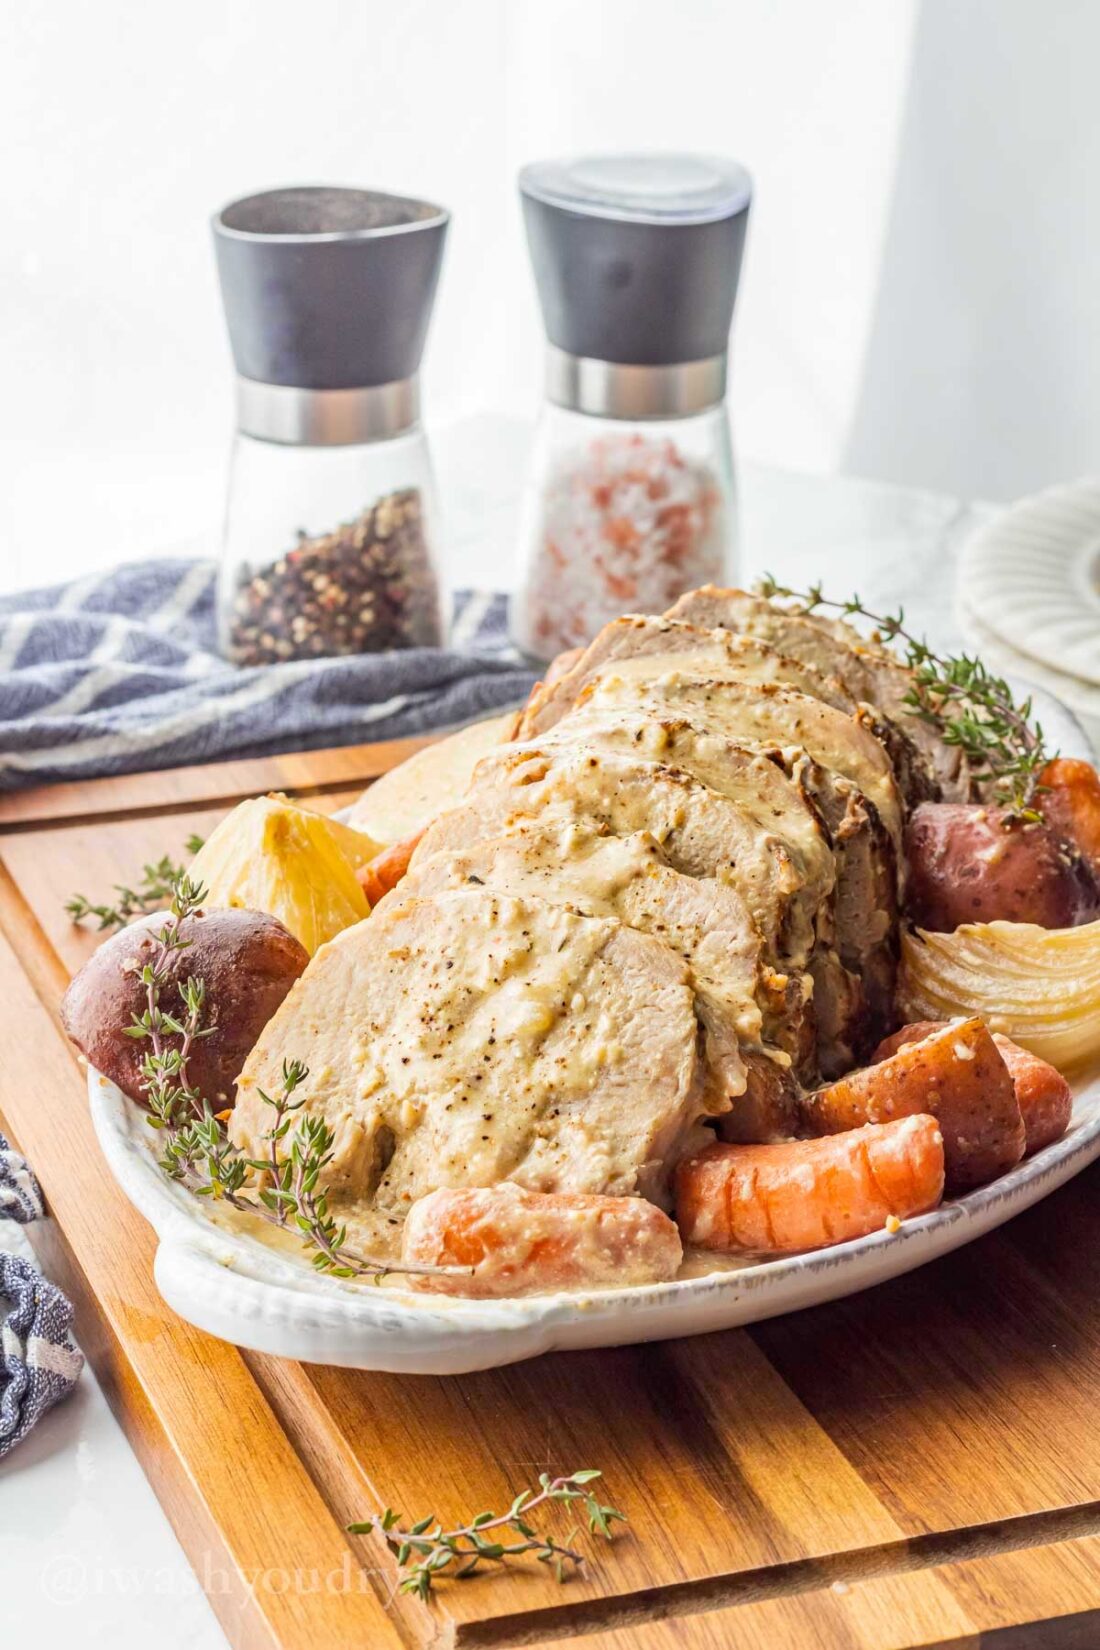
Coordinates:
630 494
329 541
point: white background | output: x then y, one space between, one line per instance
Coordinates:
919 300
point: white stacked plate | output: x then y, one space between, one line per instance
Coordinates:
1029 594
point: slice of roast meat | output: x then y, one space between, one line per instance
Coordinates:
755 842
663 644
650 719
767 715
842 1015
568 862
928 768
470 1038
700 833
867 899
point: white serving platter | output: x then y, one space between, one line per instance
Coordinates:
214 1271
234 1285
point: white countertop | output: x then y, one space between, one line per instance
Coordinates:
86 1555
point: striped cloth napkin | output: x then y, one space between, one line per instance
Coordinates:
119 671
39 1364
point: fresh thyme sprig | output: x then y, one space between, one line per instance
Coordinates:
292 1192
153 892
426 1550
165 1069
971 707
197 1150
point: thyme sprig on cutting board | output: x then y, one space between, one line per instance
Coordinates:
425 1549
283 1188
153 892
971 707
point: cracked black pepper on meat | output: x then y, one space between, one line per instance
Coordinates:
366 586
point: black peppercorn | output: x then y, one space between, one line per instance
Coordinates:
367 586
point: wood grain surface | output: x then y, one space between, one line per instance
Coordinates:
916 1466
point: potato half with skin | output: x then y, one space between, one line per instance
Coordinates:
958 1077
968 864
248 961
1042 1093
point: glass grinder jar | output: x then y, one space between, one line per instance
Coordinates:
329 542
630 495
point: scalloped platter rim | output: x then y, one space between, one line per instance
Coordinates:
223 1279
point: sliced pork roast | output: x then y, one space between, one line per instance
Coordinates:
865 910
470 1038
779 798
701 832
673 896
765 714
565 861
663 644
927 766
687 846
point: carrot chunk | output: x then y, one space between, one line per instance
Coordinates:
386 869
1043 1095
516 1242
806 1194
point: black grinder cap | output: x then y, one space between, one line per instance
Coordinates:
328 288
637 257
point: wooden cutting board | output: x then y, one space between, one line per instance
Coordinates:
916 1466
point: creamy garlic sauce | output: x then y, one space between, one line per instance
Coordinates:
701 1263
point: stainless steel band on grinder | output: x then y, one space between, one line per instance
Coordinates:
604 389
300 417
612 389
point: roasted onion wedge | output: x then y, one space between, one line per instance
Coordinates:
1039 986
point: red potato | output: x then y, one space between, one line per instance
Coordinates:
957 1076
805 1194
1042 1093
967 865
524 1243
386 869
1071 805
249 962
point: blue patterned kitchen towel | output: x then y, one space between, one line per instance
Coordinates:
39 1364
120 671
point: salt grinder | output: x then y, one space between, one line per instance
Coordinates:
630 496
